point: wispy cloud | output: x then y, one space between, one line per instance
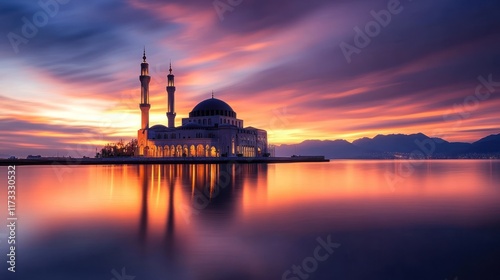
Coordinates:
80 71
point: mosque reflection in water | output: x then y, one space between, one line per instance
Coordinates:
193 194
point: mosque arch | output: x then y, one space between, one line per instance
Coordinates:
192 151
185 151
200 150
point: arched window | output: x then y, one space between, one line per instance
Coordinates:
200 151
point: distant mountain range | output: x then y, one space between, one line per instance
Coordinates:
395 146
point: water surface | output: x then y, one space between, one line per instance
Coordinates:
387 219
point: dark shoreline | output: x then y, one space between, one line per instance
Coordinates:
137 160
239 160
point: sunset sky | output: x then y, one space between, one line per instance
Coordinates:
72 84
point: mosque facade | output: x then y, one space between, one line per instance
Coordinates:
211 130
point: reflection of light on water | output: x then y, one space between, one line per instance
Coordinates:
144 214
112 183
444 183
263 210
213 175
193 182
152 179
159 186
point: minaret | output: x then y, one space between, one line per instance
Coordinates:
170 99
145 106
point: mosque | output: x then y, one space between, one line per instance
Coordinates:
211 130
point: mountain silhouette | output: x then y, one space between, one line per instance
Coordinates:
486 145
395 146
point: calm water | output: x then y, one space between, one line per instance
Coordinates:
337 220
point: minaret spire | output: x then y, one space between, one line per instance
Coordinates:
212 94
144 78
171 98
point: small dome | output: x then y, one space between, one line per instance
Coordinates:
212 107
158 127
192 125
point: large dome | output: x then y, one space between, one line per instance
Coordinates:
212 107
